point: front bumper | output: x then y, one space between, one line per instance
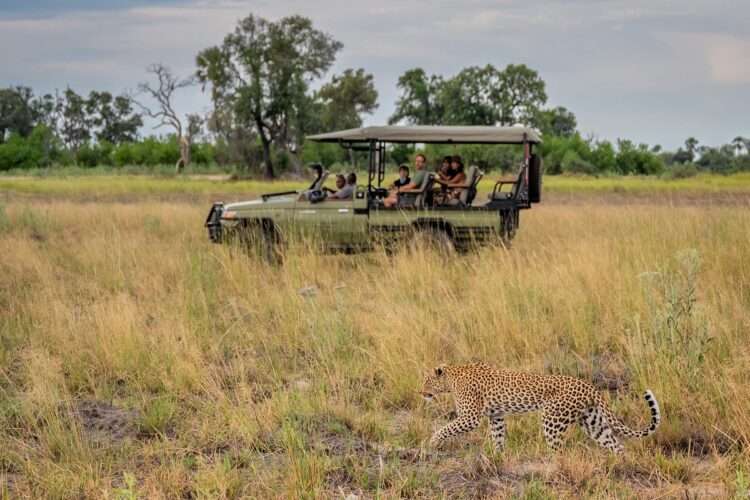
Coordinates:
213 222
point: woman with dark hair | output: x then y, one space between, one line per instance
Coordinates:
457 181
445 172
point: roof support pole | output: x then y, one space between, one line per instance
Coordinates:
372 165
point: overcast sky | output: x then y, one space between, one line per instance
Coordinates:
655 71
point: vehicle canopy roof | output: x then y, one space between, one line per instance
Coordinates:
429 134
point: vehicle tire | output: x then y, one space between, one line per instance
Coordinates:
509 225
261 238
436 239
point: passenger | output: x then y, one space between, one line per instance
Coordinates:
306 194
420 161
456 163
403 177
345 188
318 169
455 186
445 173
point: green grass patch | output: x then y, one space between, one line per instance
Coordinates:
143 185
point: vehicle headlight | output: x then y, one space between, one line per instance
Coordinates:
229 214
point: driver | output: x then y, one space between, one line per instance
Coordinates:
318 169
420 161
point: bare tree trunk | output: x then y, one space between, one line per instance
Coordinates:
267 163
184 160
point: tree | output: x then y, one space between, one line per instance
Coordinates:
75 123
691 145
474 96
16 114
46 110
346 98
466 99
716 159
418 103
519 94
114 116
739 144
559 122
263 70
632 159
163 93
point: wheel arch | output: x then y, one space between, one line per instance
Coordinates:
434 223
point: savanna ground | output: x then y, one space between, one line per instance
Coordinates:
139 360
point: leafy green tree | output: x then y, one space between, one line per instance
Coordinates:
603 156
114 116
718 159
16 113
632 159
467 98
75 125
691 146
519 94
346 98
263 69
739 144
558 121
46 111
418 103
474 96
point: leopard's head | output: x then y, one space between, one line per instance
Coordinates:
435 382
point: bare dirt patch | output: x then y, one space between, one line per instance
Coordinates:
105 422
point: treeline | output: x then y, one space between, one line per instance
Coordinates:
262 80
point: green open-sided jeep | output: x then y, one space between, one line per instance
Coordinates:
364 221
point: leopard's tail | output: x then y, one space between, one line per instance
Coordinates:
622 429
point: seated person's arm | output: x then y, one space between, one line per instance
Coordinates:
409 187
345 193
457 182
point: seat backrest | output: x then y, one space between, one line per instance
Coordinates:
425 190
320 182
470 179
520 186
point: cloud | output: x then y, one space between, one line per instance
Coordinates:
632 68
727 57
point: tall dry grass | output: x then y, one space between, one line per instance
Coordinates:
241 379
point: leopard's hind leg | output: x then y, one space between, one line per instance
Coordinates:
556 420
595 425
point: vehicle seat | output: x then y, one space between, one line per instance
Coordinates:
316 188
517 183
321 182
417 199
469 189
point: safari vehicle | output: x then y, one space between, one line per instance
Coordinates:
364 222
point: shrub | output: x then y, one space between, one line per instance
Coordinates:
572 163
679 171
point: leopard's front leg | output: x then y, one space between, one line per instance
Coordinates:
458 426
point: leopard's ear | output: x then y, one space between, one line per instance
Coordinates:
440 370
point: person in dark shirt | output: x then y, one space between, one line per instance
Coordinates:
446 173
318 169
403 177
420 161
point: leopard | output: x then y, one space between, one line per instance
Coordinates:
480 389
